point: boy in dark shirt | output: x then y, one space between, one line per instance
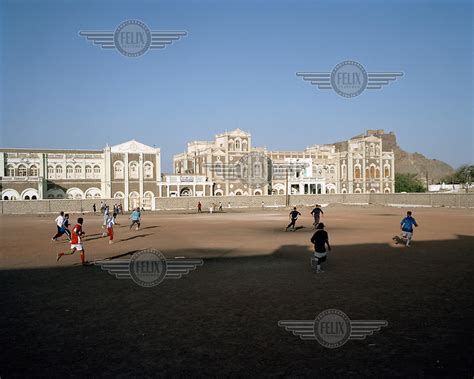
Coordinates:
317 212
293 217
320 239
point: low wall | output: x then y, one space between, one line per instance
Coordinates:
458 200
51 206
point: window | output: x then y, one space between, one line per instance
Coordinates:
10 170
386 171
69 172
357 172
372 171
118 170
50 170
133 170
59 170
78 170
148 169
237 145
96 171
34 170
88 172
218 168
22 170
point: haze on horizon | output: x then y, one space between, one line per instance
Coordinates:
236 69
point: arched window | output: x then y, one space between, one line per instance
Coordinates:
50 170
372 171
357 172
148 170
96 171
377 173
59 170
21 170
34 170
386 171
237 145
88 172
69 172
10 171
78 170
118 170
133 167
372 149
332 170
218 168
244 145
257 170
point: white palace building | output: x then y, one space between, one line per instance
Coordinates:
132 171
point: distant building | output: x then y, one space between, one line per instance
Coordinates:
131 172
361 166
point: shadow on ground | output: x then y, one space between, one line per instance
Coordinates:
221 319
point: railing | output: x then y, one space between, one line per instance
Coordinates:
20 178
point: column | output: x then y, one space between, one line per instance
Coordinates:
125 173
140 183
350 173
106 182
2 164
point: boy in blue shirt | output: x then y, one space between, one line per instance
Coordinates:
135 217
406 226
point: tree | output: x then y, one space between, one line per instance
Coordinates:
408 183
463 175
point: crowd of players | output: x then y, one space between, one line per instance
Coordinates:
320 238
75 235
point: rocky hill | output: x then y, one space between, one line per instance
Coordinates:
406 162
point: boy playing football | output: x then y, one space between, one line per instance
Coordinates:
320 239
406 226
76 242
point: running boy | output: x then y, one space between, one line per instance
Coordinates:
293 217
66 226
59 224
406 226
110 227
135 217
316 212
76 242
320 239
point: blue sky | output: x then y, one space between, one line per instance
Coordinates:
236 68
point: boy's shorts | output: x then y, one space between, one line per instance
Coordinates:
407 234
321 257
77 246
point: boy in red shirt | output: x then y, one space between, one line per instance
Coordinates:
76 242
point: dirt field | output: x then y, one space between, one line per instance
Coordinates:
222 319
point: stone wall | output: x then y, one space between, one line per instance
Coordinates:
190 203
